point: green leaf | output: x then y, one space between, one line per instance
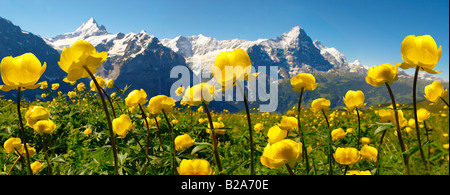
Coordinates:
201 146
382 127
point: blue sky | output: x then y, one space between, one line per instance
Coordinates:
368 30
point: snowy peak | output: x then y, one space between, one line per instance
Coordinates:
91 27
87 31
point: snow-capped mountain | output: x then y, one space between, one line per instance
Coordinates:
293 52
132 58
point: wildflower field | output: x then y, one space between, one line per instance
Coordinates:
88 131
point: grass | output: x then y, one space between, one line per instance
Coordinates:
74 153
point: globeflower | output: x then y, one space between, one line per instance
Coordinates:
225 67
81 55
122 125
303 81
283 152
12 144
199 93
369 153
136 98
420 51
55 86
276 134
384 73
423 114
36 166
354 99
44 126
81 86
320 104
288 123
258 127
435 92
338 134
183 141
22 71
195 167
347 156
160 103
101 82
36 113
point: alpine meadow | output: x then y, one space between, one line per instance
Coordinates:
95 103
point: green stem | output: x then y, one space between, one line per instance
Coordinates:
108 118
46 155
24 138
213 137
444 101
289 169
415 118
359 129
379 152
250 130
148 133
300 130
330 154
399 133
172 146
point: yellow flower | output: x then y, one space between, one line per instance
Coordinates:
55 86
175 121
225 67
305 81
279 153
195 167
384 73
36 166
200 109
81 86
152 122
159 103
21 71
122 125
434 92
354 99
71 94
199 93
288 123
217 128
101 82
369 153
388 116
338 134
347 156
365 140
320 104
44 85
258 127
12 144
36 113
44 126
276 134
349 130
80 54
183 141
445 146
43 95
110 84
420 51
179 91
87 131
136 98
357 172
22 151
423 114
